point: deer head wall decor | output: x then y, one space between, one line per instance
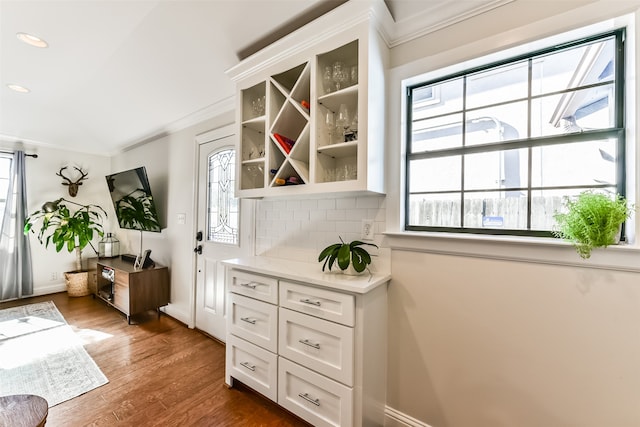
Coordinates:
73 186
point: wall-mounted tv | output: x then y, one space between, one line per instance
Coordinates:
133 201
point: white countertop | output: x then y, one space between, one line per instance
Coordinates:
310 273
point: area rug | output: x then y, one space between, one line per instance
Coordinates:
41 354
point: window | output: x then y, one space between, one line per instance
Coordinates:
495 149
5 169
223 213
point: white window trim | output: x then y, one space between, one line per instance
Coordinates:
526 249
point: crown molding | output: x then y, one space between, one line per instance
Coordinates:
346 16
442 14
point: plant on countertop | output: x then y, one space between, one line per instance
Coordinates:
592 220
346 254
64 228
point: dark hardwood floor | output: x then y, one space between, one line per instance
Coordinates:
160 373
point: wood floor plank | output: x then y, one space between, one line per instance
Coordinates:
160 373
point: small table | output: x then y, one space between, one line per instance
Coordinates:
23 410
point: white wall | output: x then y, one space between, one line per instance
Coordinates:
169 161
534 336
42 186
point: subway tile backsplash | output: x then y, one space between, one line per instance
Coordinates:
300 229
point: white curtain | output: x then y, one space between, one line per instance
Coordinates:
16 278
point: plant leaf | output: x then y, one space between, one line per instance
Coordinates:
344 256
356 243
327 251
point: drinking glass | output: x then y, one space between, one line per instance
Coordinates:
354 126
327 80
354 75
343 120
340 75
258 106
330 124
330 175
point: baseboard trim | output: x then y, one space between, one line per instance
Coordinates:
176 314
51 289
395 418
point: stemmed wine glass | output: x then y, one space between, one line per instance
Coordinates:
331 126
343 120
340 74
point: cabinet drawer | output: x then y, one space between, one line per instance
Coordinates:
254 366
323 346
121 297
315 398
254 286
255 321
323 303
121 278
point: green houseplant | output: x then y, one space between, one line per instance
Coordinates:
591 220
346 254
70 229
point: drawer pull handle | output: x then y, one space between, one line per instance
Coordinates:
250 285
310 344
308 398
308 301
249 366
248 320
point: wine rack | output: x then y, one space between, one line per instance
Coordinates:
287 144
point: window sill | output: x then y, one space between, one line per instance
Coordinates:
551 251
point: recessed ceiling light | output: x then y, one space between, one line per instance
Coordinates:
18 88
32 40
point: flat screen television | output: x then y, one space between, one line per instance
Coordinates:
133 201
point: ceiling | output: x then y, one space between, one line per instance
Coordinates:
117 73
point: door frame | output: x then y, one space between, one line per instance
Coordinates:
208 136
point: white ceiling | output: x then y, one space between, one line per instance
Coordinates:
120 72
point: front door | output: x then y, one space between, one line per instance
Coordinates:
224 224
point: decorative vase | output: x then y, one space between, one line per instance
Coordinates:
350 271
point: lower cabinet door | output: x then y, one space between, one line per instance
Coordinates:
253 366
314 397
121 298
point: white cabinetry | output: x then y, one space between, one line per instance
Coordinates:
285 146
326 360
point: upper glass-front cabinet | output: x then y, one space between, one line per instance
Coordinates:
313 120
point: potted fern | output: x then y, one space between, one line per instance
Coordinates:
592 220
73 230
346 255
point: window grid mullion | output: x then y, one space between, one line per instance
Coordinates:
464 144
528 98
525 143
530 149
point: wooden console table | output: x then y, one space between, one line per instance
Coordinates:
129 290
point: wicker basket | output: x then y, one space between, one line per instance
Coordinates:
77 283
